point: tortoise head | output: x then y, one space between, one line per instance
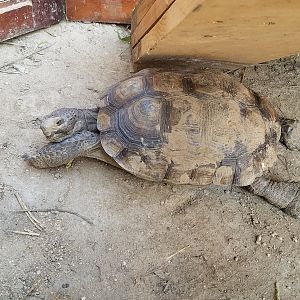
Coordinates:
61 124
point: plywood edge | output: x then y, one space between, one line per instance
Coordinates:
152 16
177 12
139 11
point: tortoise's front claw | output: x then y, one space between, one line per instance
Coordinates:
35 160
290 133
58 154
293 209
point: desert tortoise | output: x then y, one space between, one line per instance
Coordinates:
179 127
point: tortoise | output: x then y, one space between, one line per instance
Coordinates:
180 127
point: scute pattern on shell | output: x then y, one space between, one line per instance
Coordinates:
188 128
140 122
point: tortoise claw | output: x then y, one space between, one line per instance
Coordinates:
293 209
25 156
290 132
35 160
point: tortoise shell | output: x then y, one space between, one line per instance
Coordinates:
188 128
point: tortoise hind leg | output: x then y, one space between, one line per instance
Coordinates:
58 154
284 195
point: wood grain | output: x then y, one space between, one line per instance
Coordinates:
152 16
110 11
141 8
239 31
176 14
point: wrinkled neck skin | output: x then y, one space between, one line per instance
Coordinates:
87 120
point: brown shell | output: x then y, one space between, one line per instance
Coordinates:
188 128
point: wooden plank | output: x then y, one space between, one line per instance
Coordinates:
176 14
242 31
152 16
19 17
109 11
140 9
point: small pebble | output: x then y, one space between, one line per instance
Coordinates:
268 254
4 145
236 258
19 68
294 239
258 239
57 175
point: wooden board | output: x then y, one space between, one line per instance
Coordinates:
140 9
110 11
250 31
152 16
19 17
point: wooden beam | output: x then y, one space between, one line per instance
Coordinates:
152 16
250 31
176 14
141 8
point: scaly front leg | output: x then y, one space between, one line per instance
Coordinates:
57 154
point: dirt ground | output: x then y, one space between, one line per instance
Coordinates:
148 240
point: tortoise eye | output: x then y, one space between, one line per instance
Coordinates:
59 122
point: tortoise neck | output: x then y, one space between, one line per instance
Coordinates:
89 118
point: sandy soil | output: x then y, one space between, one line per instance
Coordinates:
148 240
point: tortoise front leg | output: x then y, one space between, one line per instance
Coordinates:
57 154
284 195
